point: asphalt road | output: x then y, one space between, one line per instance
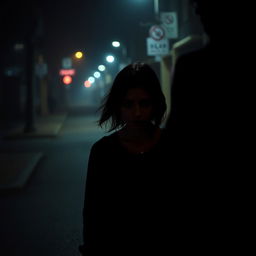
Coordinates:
45 217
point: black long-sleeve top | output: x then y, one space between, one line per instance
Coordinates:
126 198
151 202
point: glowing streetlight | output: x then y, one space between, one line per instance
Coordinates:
116 44
123 50
78 55
110 58
101 68
96 74
91 79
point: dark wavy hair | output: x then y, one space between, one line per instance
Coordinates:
136 75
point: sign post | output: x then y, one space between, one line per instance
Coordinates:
41 72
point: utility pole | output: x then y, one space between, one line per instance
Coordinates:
30 39
30 79
41 72
156 9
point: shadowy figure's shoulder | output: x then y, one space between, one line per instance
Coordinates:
202 55
198 64
166 137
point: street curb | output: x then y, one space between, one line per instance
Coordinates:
16 169
39 133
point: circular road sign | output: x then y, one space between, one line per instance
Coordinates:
156 32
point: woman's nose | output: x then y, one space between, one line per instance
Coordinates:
137 110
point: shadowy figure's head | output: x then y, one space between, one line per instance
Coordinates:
135 96
215 17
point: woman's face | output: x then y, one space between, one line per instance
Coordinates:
137 107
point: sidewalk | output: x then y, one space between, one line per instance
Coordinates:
45 126
16 168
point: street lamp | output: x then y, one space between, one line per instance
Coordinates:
116 44
96 74
78 55
101 68
156 8
110 58
91 79
124 59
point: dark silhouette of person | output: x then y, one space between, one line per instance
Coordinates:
126 207
201 93
203 131
204 100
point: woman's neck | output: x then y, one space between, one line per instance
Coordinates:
138 133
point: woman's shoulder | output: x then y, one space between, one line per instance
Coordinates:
107 141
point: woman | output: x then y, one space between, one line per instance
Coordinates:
124 198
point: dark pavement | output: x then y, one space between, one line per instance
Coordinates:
42 214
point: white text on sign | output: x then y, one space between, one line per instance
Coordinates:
155 48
